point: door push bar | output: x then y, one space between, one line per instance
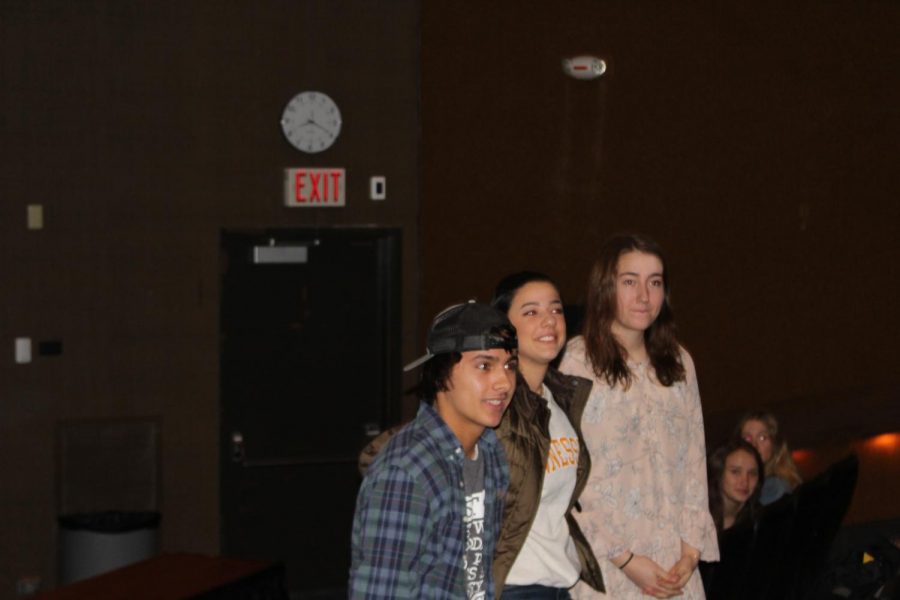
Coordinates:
239 456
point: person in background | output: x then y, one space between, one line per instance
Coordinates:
645 508
542 552
760 428
734 472
428 511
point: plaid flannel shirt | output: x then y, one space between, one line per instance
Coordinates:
408 532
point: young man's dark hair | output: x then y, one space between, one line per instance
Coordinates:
428 511
435 374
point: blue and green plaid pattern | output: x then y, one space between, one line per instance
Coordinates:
408 531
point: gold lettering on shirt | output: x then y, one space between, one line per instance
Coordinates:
563 453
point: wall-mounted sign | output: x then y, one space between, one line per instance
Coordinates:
314 187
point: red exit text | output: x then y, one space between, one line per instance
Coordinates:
314 187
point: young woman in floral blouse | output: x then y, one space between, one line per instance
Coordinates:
645 508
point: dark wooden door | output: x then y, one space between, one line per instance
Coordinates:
309 370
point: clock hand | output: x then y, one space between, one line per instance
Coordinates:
311 122
312 119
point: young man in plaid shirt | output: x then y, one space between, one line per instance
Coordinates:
428 512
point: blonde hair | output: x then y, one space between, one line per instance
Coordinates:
780 464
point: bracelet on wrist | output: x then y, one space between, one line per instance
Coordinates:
627 560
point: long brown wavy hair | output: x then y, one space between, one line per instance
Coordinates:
607 356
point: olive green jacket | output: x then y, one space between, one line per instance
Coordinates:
524 433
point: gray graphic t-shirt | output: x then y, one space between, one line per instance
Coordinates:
473 561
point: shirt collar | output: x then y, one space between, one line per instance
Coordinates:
445 438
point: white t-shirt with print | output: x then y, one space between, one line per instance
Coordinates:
548 556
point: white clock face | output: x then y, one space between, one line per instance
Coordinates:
311 121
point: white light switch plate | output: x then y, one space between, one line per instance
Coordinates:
35 217
23 350
378 187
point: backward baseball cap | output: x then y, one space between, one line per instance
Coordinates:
467 326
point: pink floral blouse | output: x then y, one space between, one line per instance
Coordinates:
647 488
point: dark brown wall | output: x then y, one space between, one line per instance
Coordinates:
144 128
756 141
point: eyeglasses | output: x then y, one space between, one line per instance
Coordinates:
762 437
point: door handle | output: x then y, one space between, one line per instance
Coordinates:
238 454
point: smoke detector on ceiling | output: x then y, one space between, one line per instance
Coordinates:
584 67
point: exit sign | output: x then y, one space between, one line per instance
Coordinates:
314 187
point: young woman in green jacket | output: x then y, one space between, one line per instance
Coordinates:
541 552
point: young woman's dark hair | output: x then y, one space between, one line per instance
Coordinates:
509 285
715 468
606 355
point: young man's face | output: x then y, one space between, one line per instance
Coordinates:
478 391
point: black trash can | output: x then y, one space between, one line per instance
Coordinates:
94 543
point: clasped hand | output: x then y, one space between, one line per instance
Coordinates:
655 581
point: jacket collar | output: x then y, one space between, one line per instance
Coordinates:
561 386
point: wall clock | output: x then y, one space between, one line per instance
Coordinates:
311 121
